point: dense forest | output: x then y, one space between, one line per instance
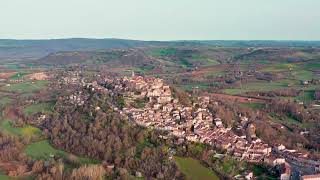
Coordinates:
103 134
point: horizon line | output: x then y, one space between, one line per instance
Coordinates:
174 40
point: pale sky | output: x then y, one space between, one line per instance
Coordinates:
161 19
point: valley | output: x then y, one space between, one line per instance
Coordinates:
229 112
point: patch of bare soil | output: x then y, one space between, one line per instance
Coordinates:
6 75
38 76
11 113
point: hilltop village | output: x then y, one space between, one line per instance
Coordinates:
158 109
194 123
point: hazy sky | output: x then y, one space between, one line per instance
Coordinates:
161 19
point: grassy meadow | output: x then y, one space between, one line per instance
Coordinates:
19 75
39 107
193 170
5 101
27 130
26 87
43 150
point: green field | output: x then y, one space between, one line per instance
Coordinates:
215 73
163 52
299 71
204 60
26 87
12 66
83 160
27 130
40 107
229 166
312 66
193 85
306 97
260 86
303 75
43 150
19 75
193 170
279 67
5 101
5 177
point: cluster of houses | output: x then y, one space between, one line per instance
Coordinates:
300 161
78 98
194 123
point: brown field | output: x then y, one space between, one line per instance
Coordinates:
11 113
6 75
38 76
204 70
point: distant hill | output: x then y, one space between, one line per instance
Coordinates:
35 49
112 57
260 43
281 54
161 59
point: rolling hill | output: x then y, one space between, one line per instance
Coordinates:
34 49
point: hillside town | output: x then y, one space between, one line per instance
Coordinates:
162 111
